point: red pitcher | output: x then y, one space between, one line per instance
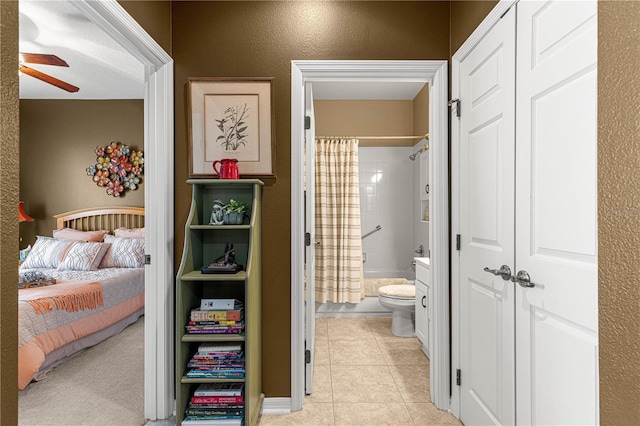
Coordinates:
228 168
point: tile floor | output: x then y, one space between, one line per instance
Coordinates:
364 375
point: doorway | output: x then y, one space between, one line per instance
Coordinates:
159 184
435 74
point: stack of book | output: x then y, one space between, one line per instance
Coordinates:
217 316
216 404
223 360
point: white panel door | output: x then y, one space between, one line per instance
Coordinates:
310 294
487 96
556 230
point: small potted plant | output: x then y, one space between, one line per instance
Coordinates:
235 211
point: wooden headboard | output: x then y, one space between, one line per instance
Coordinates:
99 218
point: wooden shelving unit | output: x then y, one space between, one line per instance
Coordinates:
203 243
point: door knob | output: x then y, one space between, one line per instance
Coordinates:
504 272
522 278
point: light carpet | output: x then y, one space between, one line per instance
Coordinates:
103 386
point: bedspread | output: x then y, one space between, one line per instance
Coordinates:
41 333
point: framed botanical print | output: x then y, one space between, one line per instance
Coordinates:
231 118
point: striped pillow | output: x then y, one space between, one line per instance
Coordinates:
47 253
123 253
84 256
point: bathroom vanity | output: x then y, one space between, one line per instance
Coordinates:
424 307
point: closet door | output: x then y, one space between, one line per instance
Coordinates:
486 202
556 222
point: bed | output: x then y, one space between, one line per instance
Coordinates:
79 287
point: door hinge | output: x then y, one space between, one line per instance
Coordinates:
457 106
307 122
147 259
458 377
458 242
307 356
307 239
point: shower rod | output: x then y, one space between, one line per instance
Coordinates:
425 136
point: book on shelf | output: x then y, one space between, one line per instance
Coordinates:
229 417
196 373
221 322
218 389
218 356
219 304
216 315
219 399
214 412
222 406
200 422
220 347
205 329
230 422
196 363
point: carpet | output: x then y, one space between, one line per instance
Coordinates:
102 386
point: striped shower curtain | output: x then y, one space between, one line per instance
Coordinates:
338 269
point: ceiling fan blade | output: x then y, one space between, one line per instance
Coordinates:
48 79
42 58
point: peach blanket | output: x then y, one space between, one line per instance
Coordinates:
51 325
71 296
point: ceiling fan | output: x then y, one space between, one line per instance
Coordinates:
45 59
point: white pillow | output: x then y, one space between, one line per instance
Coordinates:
46 253
123 253
84 256
129 232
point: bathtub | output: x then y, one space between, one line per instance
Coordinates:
369 306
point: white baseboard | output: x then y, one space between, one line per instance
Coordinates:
276 406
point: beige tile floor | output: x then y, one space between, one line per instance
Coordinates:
363 375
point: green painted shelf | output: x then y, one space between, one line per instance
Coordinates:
203 244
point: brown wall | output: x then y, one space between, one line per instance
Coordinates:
57 141
465 17
9 157
421 112
259 39
154 17
619 211
366 118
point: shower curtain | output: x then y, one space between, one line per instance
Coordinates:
338 253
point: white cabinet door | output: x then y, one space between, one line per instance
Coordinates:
556 205
422 317
486 301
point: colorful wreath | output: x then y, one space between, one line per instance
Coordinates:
117 167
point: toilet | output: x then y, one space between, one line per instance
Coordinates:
400 300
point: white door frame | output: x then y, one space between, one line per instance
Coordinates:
478 34
436 74
159 203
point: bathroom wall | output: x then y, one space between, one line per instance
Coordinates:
420 127
386 199
420 227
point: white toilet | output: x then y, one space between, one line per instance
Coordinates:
401 301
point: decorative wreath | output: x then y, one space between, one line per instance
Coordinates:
117 167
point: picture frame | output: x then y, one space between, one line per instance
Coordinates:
231 118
